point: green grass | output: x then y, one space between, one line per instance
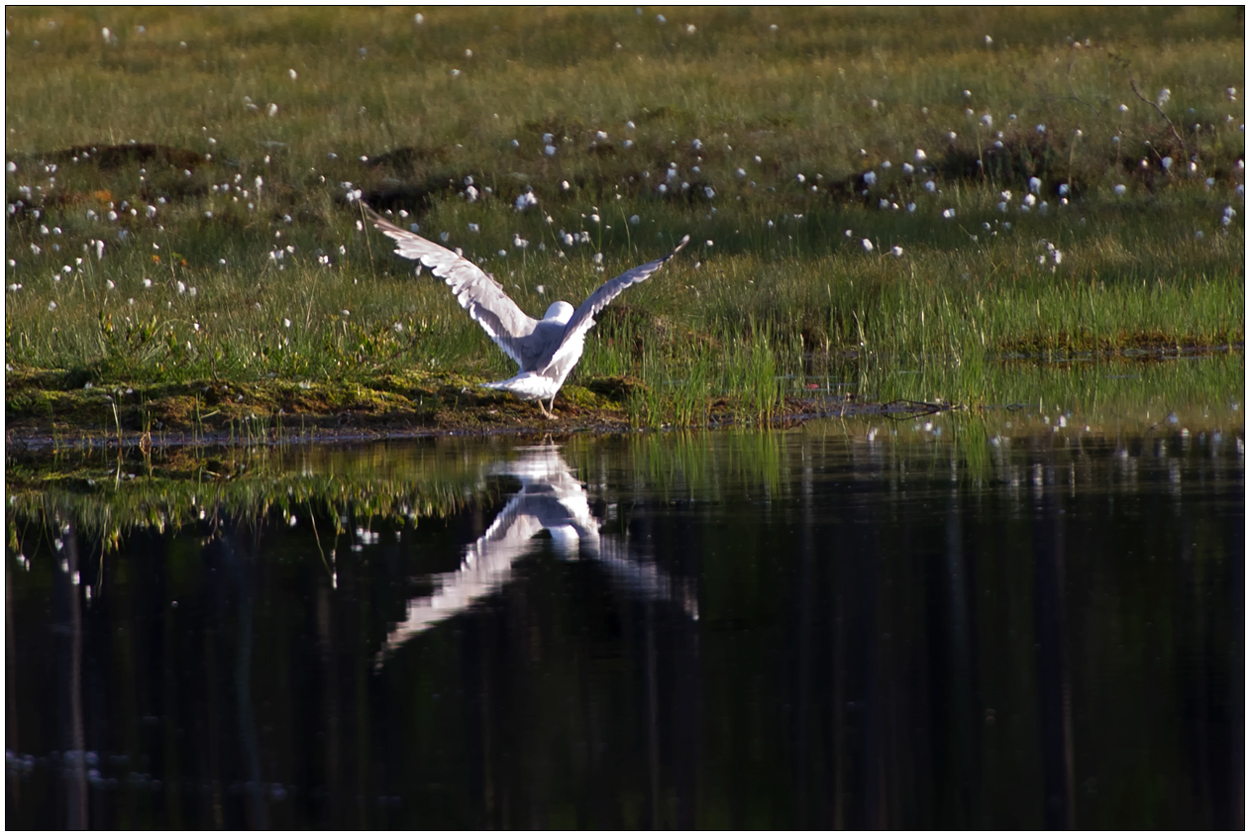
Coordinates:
278 284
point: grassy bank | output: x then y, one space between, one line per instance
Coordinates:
109 493
872 193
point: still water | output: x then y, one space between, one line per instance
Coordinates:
936 623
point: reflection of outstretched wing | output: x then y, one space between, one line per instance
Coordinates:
551 500
642 577
487 566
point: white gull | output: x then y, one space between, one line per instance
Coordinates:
545 350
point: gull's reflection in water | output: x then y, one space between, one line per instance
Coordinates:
552 500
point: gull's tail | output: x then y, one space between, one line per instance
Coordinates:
527 385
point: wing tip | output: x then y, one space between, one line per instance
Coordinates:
375 218
396 233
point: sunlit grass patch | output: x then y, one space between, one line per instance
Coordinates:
900 186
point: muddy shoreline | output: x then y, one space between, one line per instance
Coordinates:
349 428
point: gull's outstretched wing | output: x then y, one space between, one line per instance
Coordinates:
476 292
584 317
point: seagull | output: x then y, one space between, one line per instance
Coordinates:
545 350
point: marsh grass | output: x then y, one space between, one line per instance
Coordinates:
234 256
1178 406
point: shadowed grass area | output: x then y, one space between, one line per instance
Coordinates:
869 190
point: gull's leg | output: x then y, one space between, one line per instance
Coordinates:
553 406
543 407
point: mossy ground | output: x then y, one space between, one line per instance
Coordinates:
40 403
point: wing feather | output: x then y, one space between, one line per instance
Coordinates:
477 292
584 317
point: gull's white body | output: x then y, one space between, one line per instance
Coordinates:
542 386
545 350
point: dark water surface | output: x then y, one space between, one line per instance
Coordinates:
899 625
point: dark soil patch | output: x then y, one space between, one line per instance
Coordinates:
106 157
407 159
415 196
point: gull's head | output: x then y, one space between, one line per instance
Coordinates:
560 312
